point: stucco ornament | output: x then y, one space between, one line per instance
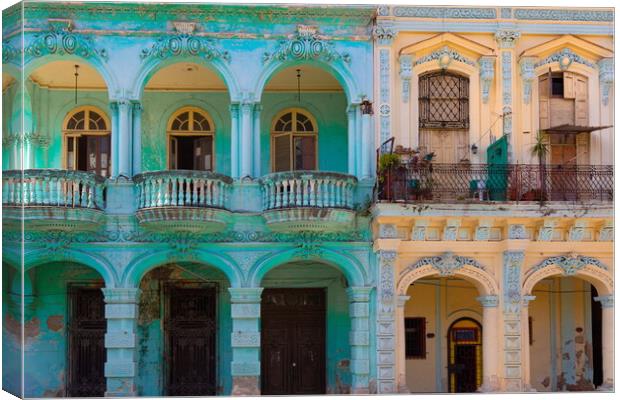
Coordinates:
406 70
605 77
527 76
565 58
487 73
384 34
184 44
446 264
60 39
507 39
444 57
513 261
306 44
9 53
570 263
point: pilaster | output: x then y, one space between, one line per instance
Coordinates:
121 312
512 323
123 127
401 367
506 41
258 108
386 340
234 140
490 353
352 137
137 137
246 142
384 35
359 338
245 340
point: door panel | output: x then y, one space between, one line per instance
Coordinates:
190 337
293 341
87 354
465 368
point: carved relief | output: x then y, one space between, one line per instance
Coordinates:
60 39
184 44
306 44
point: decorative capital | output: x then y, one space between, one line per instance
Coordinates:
606 301
137 106
306 44
9 52
444 57
488 301
245 295
526 300
384 34
358 294
60 39
401 300
517 231
184 44
487 73
606 77
406 71
507 39
121 295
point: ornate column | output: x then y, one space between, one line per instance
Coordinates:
512 329
234 140
528 78
352 135
245 142
490 348
245 341
137 138
406 73
114 139
359 338
124 138
121 312
506 41
256 168
386 342
401 360
367 142
384 35
607 303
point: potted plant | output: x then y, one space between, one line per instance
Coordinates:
540 151
387 162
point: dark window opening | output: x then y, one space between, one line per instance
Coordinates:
557 86
415 337
597 339
192 153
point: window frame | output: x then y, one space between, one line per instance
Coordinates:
75 134
421 354
170 133
292 134
424 96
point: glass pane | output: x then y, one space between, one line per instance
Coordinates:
181 122
304 124
76 121
95 121
201 123
70 153
284 124
105 151
91 149
305 155
282 153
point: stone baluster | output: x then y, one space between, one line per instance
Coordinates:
245 340
121 312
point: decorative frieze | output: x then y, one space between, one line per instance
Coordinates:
184 44
406 70
565 58
444 57
513 260
451 229
418 232
446 264
388 231
487 73
605 77
559 14
577 232
445 12
306 44
10 53
483 230
528 75
61 40
606 233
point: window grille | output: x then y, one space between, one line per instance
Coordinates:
444 101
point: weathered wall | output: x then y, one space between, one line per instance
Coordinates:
11 330
312 274
441 302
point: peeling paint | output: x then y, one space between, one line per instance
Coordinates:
55 322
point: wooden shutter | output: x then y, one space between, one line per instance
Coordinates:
544 84
173 153
282 153
583 148
203 154
581 101
569 85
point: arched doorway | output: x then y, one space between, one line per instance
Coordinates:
565 344
183 331
465 355
304 330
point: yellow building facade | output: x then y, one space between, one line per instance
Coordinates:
494 225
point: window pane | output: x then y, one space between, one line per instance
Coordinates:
70 153
305 155
304 124
201 123
282 153
181 122
76 121
95 121
284 124
203 154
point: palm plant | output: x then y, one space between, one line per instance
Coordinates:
540 149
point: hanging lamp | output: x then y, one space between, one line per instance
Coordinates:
76 81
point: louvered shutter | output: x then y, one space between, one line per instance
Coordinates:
543 99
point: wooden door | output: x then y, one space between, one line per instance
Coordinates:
87 354
465 368
293 341
449 146
203 153
465 356
190 341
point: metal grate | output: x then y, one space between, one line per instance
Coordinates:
444 101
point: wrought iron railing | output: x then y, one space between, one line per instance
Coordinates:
181 188
307 189
430 182
53 187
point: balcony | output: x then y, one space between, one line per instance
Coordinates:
53 199
183 200
308 201
476 183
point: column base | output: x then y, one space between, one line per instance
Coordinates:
360 390
490 385
245 386
120 394
607 386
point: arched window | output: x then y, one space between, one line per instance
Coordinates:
294 141
444 116
87 141
190 133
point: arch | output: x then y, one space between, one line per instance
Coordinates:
87 109
151 65
96 262
191 110
587 268
351 268
140 265
449 265
337 68
94 61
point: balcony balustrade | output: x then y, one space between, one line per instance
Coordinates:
51 196
183 199
429 182
308 200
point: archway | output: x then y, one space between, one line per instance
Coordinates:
189 92
184 331
305 328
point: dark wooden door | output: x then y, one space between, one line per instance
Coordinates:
87 355
190 341
293 341
465 368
